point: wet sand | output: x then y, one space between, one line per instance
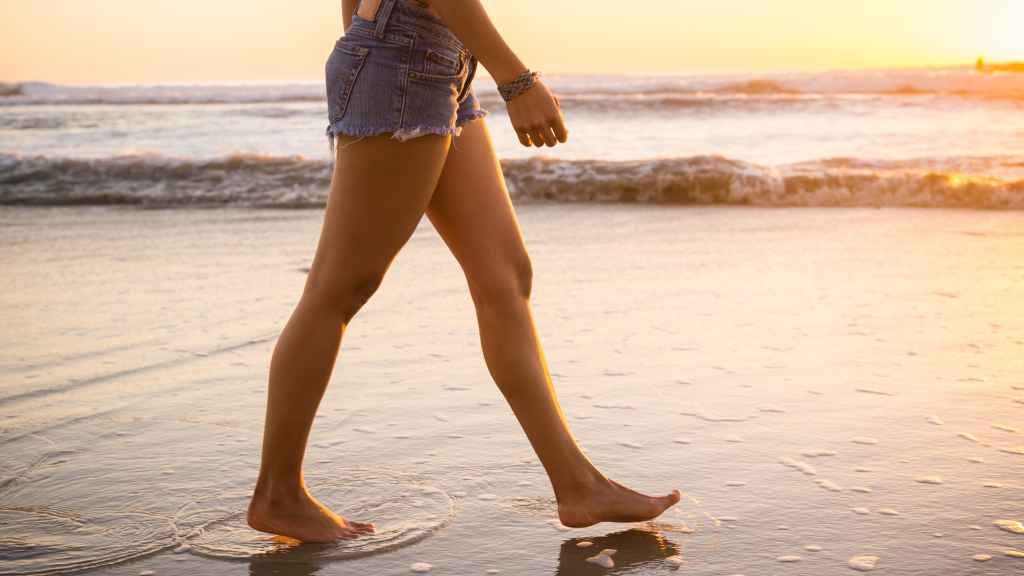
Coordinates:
833 390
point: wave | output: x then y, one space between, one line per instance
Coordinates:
582 89
260 181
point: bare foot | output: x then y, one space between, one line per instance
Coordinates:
609 501
303 518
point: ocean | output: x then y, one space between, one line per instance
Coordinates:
798 298
936 137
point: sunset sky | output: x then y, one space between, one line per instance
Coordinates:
170 41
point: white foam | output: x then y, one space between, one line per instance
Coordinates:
364 430
557 525
683 441
675 560
968 436
420 567
772 409
935 420
735 483
602 560
862 489
733 439
1005 428
982 557
888 512
789 558
864 563
1019 450
993 485
861 510
813 548
818 453
1012 526
864 469
440 417
634 445
976 460
487 497
798 465
701 414
874 391
867 441
928 479
828 485
782 527
584 544
975 527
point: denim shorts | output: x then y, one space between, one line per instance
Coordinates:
403 73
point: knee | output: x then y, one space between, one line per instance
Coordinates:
508 280
342 295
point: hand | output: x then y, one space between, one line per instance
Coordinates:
537 117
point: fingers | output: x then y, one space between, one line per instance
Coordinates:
537 136
549 136
524 136
558 126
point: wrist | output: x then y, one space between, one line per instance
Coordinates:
518 85
509 74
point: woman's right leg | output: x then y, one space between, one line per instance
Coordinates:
380 189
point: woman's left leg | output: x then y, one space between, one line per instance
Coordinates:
471 210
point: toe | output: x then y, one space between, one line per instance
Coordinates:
347 534
670 500
363 527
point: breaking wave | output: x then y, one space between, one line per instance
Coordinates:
260 181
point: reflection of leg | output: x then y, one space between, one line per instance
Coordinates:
472 212
371 212
634 548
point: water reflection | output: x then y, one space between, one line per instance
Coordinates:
635 548
263 567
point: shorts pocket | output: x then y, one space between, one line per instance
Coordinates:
342 69
439 63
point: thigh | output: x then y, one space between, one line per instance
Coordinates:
380 189
472 211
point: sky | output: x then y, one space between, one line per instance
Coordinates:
209 41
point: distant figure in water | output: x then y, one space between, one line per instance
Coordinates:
411 140
980 64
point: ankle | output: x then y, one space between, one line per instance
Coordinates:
580 487
276 493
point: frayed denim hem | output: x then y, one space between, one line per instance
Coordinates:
478 113
401 135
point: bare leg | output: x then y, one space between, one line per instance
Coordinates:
372 210
472 212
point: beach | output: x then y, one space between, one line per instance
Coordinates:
825 384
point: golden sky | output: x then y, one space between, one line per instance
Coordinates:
158 41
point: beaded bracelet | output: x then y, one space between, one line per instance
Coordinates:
518 85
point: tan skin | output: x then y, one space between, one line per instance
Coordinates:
457 182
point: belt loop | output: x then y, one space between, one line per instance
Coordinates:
383 13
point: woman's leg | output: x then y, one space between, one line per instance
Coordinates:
379 191
472 212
